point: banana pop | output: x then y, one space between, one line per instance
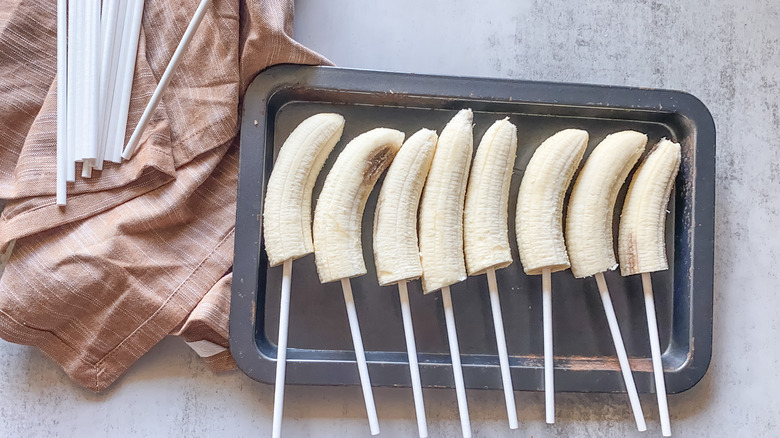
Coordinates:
539 226
287 218
641 243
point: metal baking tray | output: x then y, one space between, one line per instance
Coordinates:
321 350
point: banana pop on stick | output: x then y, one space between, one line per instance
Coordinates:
589 230
396 253
539 227
485 236
287 218
441 232
338 250
641 245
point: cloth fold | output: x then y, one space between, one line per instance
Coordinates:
143 249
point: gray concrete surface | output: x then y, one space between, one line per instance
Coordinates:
725 52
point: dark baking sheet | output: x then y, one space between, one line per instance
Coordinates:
319 340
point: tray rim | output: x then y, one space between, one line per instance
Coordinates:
247 252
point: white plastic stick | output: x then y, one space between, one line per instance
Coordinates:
62 100
503 355
549 364
166 78
617 339
655 349
131 30
414 369
360 355
91 89
457 370
70 153
281 350
109 18
92 86
112 150
77 53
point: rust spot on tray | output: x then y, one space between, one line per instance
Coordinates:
586 363
591 363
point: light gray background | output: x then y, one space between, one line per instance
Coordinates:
725 52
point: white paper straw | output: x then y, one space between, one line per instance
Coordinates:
503 356
71 88
655 349
617 339
113 99
91 81
77 52
457 369
94 78
166 78
129 49
414 368
62 100
360 355
124 19
281 350
549 361
91 88
109 19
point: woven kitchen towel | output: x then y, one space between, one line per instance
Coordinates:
144 249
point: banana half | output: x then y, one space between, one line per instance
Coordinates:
287 208
641 244
338 250
486 235
396 253
539 217
441 207
592 203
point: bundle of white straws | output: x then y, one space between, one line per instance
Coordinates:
96 53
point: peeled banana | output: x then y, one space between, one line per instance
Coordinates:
486 237
287 208
338 250
441 207
396 253
592 203
539 218
641 243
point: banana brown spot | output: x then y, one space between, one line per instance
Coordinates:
377 162
632 261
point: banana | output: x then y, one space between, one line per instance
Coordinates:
592 203
641 244
441 207
338 216
539 217
287 209
396 254
485 235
